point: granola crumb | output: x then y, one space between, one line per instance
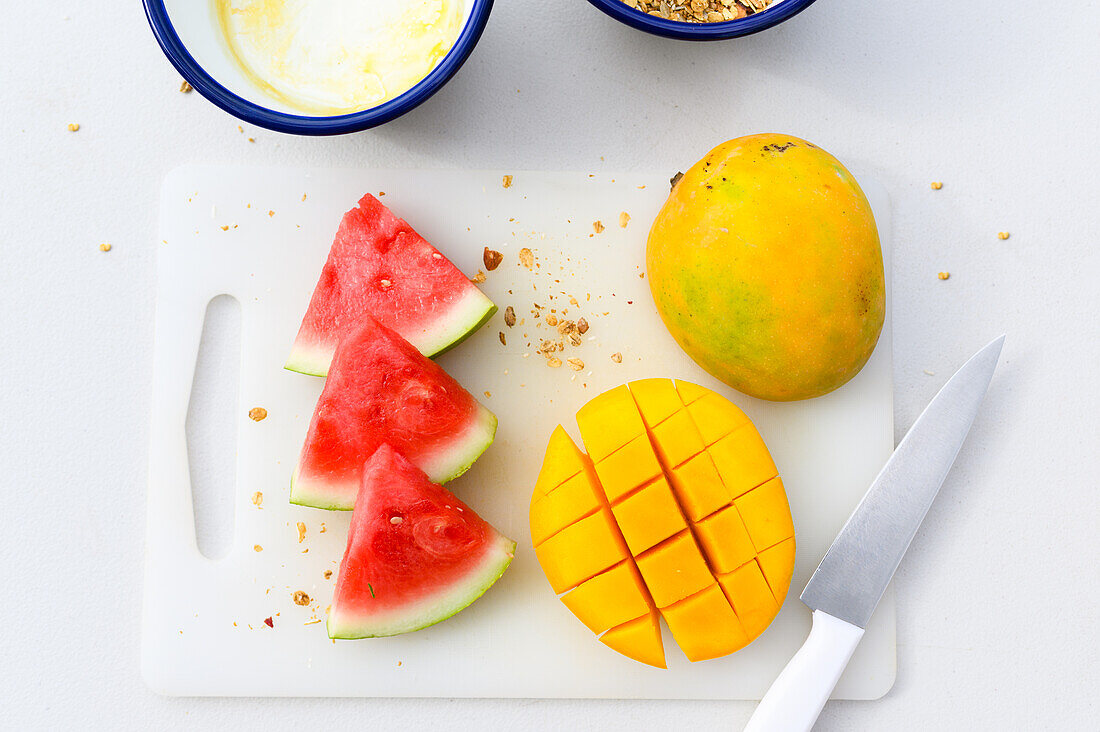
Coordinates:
104 247
258 499
617 357
936 185
270 212
509 316
929 373
303 196
301 598
478 278
301 532
503 340
1002 235
491 258
597 226
527 258
74 126
185 88
551 319
506 181
257 414
582 326
576 364
624 219
327 574
944 275
675 179
257 548
225 227
322 529
553 362
252 139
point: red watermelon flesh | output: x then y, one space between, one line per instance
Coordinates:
379 266
381 389
416 555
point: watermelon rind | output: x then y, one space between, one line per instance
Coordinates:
469 314
446 466
433 610
474 310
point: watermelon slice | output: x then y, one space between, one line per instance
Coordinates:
381 389
416 554
379 266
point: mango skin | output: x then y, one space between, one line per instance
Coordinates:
765 266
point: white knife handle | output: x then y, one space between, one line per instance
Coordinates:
797 696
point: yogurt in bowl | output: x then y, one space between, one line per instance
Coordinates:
338 56
317 66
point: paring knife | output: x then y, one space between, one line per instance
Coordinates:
849 582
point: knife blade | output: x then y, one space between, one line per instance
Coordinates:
848 584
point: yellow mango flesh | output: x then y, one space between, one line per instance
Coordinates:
688 522
581 551
639 639
705 626
766 267
649 516
610 598
674 570
571 501
563 460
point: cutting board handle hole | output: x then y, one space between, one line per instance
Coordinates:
212 426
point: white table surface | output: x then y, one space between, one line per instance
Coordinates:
998 615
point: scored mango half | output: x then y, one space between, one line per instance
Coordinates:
676 511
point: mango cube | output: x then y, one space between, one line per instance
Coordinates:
690 392
581 550
699 487
705 626
563 460
639 639
571 501
766 514
611 598
630 467
726 541
674 570
657 400
608 422
777 563
743 460
649 516
716 417
677 439
751 597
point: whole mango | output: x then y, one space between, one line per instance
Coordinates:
766 268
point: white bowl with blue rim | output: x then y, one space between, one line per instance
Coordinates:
190 36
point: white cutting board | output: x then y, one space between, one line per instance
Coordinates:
204 631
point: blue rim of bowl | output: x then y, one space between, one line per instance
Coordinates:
748 25
295 124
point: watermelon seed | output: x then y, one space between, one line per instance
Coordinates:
395 520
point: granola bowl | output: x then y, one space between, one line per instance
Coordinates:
189 34
738 16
